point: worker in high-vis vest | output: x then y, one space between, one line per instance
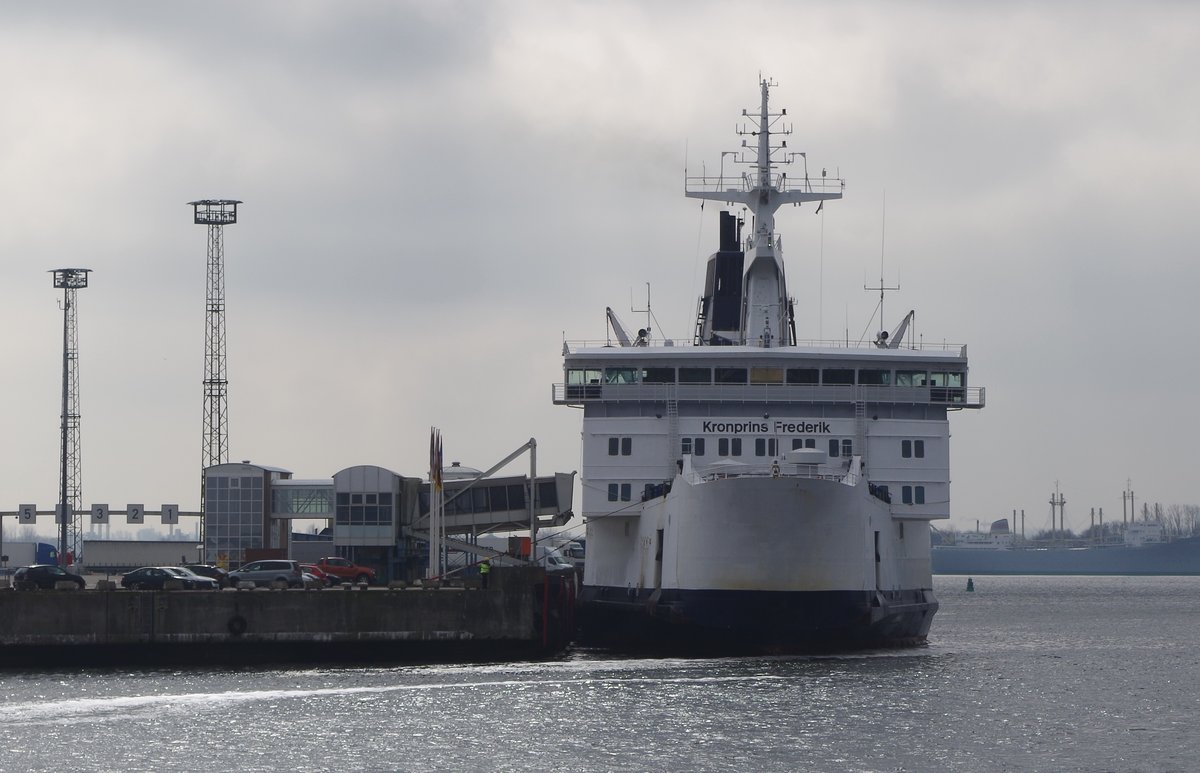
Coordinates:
484 569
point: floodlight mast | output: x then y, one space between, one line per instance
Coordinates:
70 494
216 214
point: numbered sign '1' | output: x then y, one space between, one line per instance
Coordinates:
170 513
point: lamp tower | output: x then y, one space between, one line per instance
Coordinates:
70 494
216 214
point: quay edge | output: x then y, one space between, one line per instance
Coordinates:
528 614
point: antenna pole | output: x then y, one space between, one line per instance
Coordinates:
882 288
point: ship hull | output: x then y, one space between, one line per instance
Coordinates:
758 564
1180 557
754 622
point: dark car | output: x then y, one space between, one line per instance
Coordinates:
207 570
193 581
44 576
156 578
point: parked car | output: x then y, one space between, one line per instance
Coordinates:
267 571
193 581
147 578
44 576
345 570
208 570
318 573
156 578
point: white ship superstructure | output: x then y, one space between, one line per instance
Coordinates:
745 491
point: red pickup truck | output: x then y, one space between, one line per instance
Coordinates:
344 570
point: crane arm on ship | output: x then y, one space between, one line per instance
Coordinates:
618 329
893 341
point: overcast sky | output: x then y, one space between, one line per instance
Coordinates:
437 193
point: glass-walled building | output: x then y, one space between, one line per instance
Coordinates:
237 513
375 517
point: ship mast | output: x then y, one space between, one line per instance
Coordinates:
766 315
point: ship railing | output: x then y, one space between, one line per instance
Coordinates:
574 345
804 471
948 396
746 182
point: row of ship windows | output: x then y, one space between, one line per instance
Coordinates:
766 375
909 495
623 446
762 446
733 446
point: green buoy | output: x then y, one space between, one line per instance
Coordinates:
970 585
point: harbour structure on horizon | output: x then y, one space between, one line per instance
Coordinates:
1130 547
68 512
751 491
216 214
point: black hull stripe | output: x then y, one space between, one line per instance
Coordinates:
753 621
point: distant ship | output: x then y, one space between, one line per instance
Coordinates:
1142 551
748 491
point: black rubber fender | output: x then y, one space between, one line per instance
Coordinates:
236 625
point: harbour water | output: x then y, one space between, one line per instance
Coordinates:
1023 674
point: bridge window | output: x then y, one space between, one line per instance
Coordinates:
947 387
731 375
804 442
912 495
695 375
580 377
626 492
658 376
911 378
912 448
875 377
620 376
946 379
803 376
766 375
838 376
612 492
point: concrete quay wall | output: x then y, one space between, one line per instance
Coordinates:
67 628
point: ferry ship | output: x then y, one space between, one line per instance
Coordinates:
748 491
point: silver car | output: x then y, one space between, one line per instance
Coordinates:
267 571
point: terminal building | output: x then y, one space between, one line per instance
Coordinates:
375 517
